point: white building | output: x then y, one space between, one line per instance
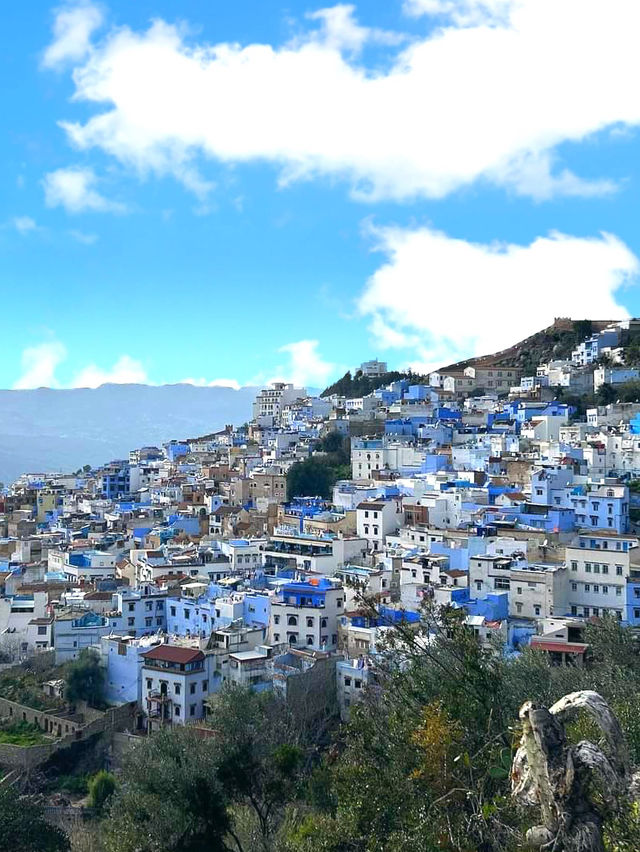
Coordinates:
377 519
305 614
538 591
270 402
373 369
175 685
599 567
613 376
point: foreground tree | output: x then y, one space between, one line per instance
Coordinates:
170 798
180 792
23 827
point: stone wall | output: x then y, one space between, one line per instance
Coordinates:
67 728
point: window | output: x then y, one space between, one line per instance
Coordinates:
596 568
177 689
587 567
205 685
309 621
574 566
41 630
536 610
187 614
276 637
176 711
636 613
585 612
276 619
574 610
618 570
192 689
192 709
173 610
132 607
347 681
357 684
149 683
339 603
518 607
309 640
148 622
605 569
605 590
479 585
574 587
596 589
618 591
131 622
587 587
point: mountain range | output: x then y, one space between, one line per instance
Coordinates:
50 430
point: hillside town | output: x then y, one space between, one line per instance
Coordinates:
191 565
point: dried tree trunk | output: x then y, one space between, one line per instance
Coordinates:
562 779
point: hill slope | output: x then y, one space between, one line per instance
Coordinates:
49 430
555 341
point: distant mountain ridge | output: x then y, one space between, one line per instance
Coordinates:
49 430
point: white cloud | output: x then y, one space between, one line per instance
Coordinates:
39 364
214 383
487 94
24 224
73 27
464 12
341 31
82 237
126 370
306 365
73 189
450 299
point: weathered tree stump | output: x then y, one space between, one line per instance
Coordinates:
575 786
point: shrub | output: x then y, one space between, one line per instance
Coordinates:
101 788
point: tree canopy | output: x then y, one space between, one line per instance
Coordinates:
316 476
85 679
23 827
422 764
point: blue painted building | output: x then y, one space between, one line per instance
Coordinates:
174 449
114 480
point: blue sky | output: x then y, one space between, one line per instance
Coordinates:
249 190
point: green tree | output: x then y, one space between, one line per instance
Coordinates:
313 477
85 679
582 329
334 442
606 394
23 827
629 391
101 787
170 798
316 476
261 753
425 761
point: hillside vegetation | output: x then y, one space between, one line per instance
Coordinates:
359 385
554 342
